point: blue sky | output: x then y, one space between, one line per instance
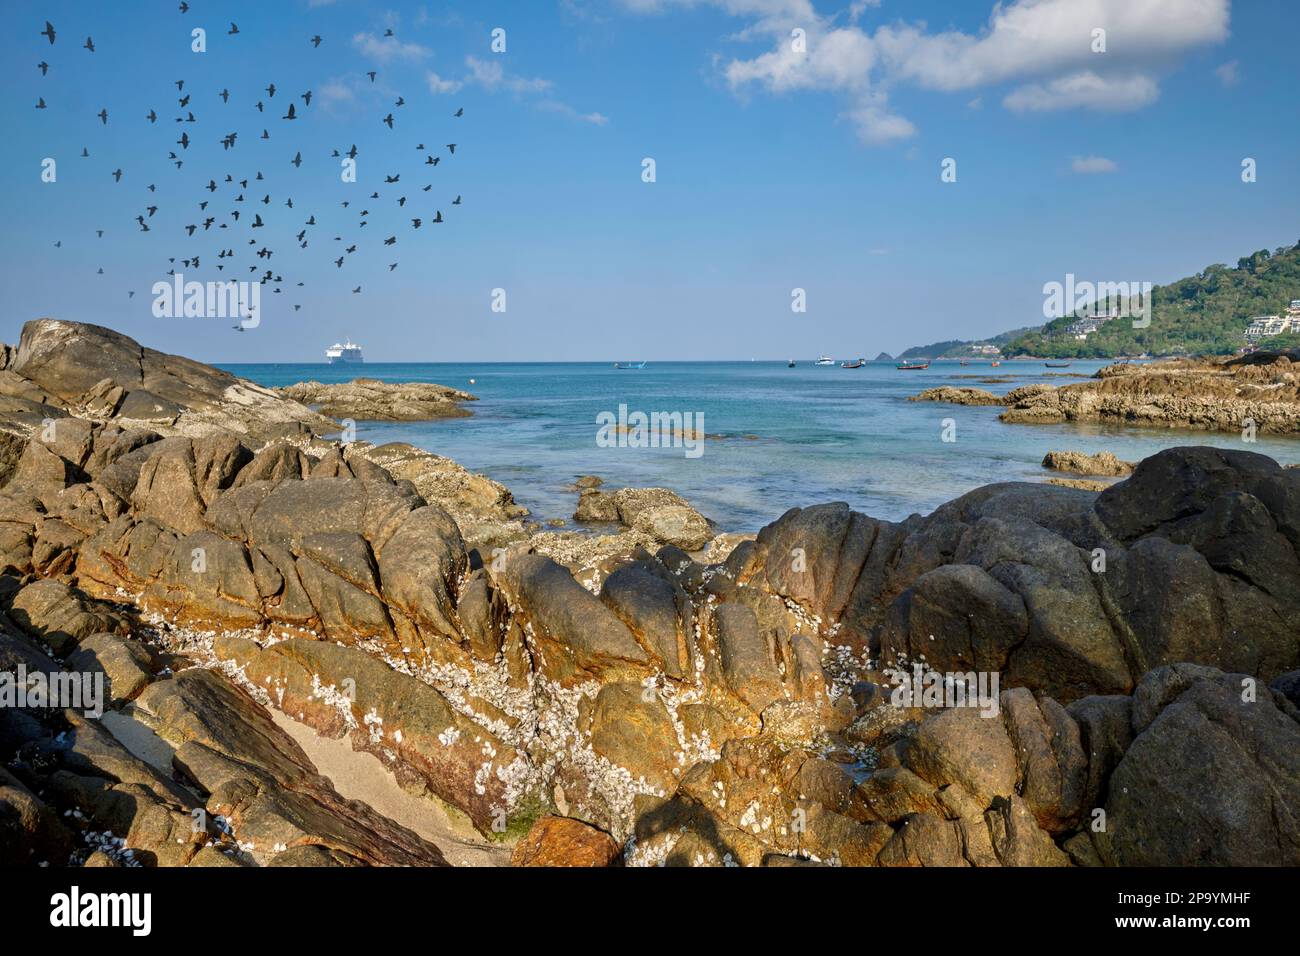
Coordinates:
775 169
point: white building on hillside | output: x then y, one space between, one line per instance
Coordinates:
1266 326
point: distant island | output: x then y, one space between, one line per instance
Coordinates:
1219 311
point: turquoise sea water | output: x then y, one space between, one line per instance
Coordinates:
822 433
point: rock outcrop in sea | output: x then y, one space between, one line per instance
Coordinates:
1262 388
369 399
1145 640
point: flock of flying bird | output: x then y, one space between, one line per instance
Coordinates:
236 193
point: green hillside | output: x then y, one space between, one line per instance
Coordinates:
961 348
1202 314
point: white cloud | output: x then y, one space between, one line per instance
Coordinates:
438 85
876 125
1029 38
335 92
564 109
1044 46
1084 90
1228 74
492 76
386 49
1092 165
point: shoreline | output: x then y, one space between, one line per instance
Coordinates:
637 701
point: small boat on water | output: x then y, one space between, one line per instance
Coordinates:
825 360
629 365
994 364
855 364
913 366
790 364
1057 364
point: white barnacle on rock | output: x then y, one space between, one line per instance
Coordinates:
374 725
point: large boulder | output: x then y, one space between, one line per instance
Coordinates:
1212 776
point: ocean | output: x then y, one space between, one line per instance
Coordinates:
794 436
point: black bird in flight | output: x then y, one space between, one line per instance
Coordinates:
89 44
48 32
392 266
103 116
184 141
388 32
233 29
152 117
40 103
43 67
417 223
389 120
401 101
431 161
456 201
306 98
438 218
371 74
180 85
260 106
117 175
270 91
352 153
225 96
452 148
184 7
291 115
391 240
315 41
339 262
356 290
265 135
392 179
459 112
297 160
84 152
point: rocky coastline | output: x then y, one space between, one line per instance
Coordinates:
1262 388
658 695
368 399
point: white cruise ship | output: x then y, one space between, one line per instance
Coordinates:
344 353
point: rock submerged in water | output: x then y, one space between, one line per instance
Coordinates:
663 710
1103 463
957 395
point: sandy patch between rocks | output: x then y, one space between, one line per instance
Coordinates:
360 776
